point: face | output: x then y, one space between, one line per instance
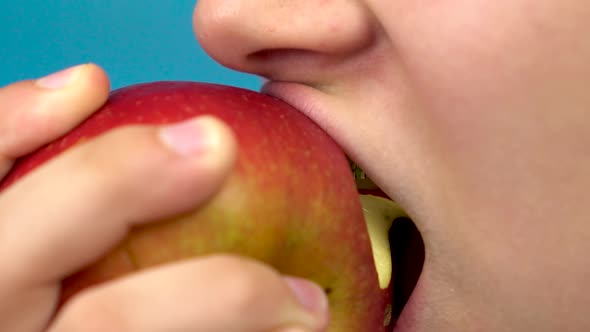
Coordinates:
471 114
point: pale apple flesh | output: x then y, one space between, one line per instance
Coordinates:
380 213
305 221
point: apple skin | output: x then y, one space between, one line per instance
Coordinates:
290 202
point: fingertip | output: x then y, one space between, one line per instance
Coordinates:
34 112
59 79
206 138
222 142
80 89
92 84
75 75
196 136
97 77
309 295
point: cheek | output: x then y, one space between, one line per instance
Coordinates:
492 73
466 55
504 89
500 84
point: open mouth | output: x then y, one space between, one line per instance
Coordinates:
406 245
407 252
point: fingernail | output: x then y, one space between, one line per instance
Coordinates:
59 79
311 296
188 137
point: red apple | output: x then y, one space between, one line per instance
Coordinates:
291 201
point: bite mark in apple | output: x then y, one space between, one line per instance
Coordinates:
380 214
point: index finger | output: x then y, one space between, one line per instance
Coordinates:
33 113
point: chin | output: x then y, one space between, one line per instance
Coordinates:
407 246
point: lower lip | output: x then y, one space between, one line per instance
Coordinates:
406 322
413 310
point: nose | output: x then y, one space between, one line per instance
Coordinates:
266 36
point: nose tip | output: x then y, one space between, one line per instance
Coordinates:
215 23
230 31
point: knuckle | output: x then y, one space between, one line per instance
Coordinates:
21 125
116 157
33 115
245 282
114 168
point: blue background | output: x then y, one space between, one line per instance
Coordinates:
135 41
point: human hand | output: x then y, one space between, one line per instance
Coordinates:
73 209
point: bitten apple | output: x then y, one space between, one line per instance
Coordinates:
291 201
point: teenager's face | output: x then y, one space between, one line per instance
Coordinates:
473 115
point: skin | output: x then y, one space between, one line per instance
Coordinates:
470 114
473 115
